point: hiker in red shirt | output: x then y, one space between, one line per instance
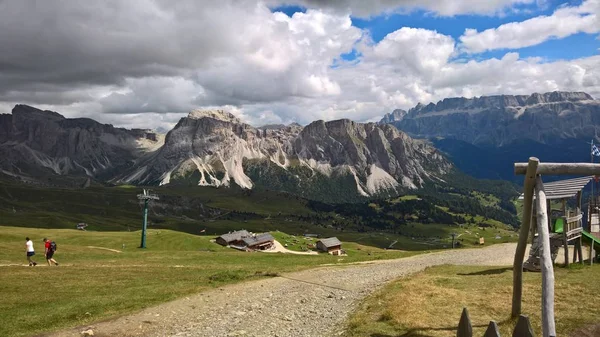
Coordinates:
50 249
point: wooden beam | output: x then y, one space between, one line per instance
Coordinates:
552 169
580 249
548 323
566 244
592 253
529 185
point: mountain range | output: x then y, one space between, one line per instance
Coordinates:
485 135
331 161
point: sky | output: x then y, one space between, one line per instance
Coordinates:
147 63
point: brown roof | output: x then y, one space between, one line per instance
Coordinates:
564 189
235 236
258 239
330 242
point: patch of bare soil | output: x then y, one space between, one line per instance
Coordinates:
103 248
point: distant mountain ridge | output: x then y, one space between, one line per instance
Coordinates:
40 143
500 120
485 135
330 161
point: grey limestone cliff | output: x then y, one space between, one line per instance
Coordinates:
500 120
36 143
215 149
394 116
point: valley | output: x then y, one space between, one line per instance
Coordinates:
484 135
299 168
416 222
382 193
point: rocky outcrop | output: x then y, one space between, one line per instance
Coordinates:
394 116
215 150
500 120
37 143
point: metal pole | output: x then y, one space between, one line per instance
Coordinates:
143 244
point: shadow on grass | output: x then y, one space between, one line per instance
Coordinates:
417 332
420 332
487 272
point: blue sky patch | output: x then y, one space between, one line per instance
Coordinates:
569 48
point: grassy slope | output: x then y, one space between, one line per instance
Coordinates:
485 291
93 284
213 210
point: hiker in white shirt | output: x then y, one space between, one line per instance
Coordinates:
30 251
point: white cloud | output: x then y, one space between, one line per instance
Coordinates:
564 22
420 50
146 64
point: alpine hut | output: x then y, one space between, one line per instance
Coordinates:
234 238
332 246
262 241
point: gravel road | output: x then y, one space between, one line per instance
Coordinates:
309 303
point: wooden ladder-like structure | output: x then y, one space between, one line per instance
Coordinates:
533 184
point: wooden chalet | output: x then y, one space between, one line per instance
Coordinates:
234 238
262 241
332 246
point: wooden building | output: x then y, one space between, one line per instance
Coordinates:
234 238
332 246
262 241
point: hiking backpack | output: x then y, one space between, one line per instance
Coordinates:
53 246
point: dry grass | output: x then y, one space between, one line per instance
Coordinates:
430 303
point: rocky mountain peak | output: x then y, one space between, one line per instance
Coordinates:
26 111
221 115
38 143
354 159
394 116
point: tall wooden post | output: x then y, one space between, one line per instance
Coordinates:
548 323
529 185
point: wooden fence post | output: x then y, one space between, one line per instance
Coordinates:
580 249
529 185
523 328
548 324
464 326
492 330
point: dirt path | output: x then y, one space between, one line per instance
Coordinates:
310 303
103 248
279 248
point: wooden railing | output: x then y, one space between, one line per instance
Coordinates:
465 328
573 226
